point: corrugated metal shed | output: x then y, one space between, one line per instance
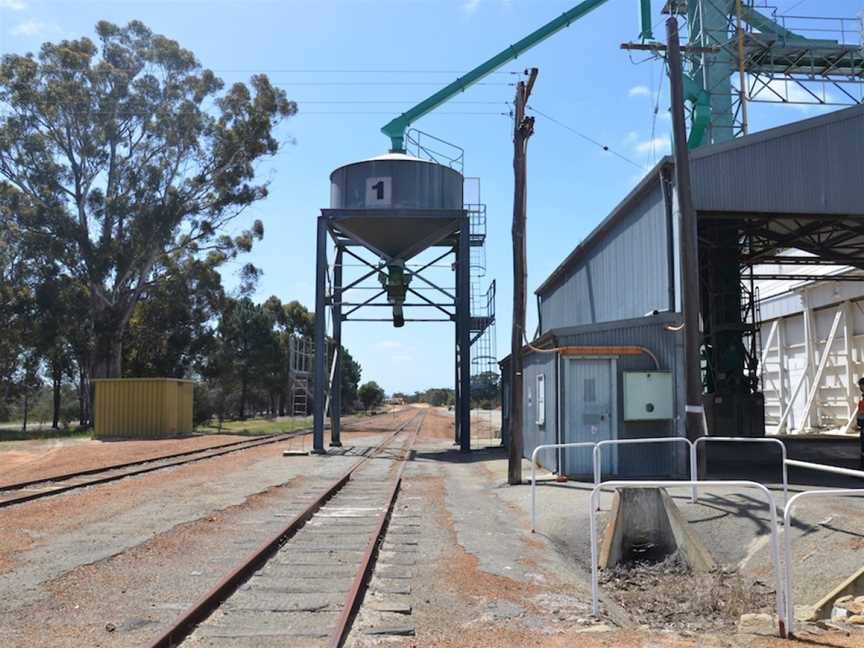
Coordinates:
818 163
650 332
628 256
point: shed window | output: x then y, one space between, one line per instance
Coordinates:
541 399
590 390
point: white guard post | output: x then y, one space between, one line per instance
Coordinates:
707 439
769 499
583 444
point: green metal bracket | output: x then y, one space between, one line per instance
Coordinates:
396 128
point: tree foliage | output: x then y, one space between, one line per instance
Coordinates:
129 162
371 395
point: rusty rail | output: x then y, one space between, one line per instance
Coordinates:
355 594
221 450
199 611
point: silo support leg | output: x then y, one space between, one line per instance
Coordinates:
320 335
336 386
463 322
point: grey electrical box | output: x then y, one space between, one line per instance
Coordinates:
647 395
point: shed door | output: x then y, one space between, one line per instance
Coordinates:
590 413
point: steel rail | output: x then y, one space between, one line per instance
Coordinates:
355 594
199 611
137 462
21 499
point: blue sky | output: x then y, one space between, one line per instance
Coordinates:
352 64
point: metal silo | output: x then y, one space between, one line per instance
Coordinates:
393 206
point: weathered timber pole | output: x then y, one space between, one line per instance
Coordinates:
689 238
523 129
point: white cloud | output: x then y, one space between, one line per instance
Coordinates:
658 146
470 6
798 97
639 91
32 27
14 5
388 345
403 358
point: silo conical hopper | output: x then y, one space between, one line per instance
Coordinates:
396 205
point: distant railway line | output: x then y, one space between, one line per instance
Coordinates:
304 585
27 491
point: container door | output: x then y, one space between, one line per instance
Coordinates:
590 413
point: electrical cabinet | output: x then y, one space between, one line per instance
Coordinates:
648 395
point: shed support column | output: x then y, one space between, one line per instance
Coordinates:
336 386
463 332
320 369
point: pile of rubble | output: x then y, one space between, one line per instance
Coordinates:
849 609
669 595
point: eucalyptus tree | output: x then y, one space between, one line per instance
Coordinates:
133 159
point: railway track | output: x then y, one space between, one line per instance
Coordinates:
304 585
27 491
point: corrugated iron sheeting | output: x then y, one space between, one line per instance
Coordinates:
814 166
649 332
625 274
143 408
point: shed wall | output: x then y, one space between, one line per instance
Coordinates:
624 275
641 460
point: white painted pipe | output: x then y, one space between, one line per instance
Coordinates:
825 468
769 499
548 446
706 439
787 537
598 458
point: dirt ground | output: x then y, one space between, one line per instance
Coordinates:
112 565
45 458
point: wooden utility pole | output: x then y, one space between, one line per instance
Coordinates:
688 227
523 129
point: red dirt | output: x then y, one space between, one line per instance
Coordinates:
45 459
19 525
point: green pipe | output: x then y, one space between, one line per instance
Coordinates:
396 128
701 100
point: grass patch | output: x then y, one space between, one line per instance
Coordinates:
257 426
13 434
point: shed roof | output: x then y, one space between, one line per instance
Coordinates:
819 162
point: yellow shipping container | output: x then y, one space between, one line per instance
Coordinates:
143 408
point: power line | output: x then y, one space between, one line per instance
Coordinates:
587 138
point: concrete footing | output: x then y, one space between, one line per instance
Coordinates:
646 525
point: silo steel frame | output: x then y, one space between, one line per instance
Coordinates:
454 235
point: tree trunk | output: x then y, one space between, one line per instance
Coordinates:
26 410
243 396
57 377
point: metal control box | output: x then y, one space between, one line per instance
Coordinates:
648 395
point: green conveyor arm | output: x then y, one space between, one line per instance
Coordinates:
395 129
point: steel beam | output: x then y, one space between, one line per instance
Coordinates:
336 385
320 373
463 323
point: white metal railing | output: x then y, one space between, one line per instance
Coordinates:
695 445
787 519
598 457
769 499
787 540
548 446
